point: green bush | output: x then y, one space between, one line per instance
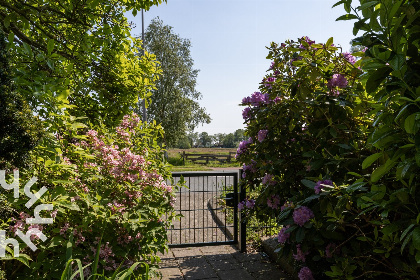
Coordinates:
344 157
102 183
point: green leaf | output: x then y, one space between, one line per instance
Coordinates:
371 159
6 21
397 62
382 170
309 184
376 78
11 37
346 17
367 5
300 235
330 41
416 238
410 123
27 49
50 46
355 186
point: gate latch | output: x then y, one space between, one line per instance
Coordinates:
230 199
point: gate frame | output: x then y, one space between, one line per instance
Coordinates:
238 227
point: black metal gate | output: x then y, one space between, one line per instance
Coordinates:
208 208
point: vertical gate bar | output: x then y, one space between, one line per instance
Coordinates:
180 212
194 212
203 209
242 195
225 228
212 230
235 208
189 214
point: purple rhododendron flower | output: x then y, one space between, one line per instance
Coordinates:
309 41
273 201
268 179
301 215
262 134
337 80
268 82
277 99
246 113
320 184
241 205
250 204
282 236
300 255
305 274
242 147
287 204
349 57
272 65
330 249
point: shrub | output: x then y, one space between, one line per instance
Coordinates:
343 156
102 183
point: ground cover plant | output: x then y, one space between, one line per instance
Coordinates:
340 168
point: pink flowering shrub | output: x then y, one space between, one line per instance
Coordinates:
104 185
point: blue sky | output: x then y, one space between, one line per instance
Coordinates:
229 39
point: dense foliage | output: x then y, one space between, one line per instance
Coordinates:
107 186
72 69
19 129
77 52
175 99
341 165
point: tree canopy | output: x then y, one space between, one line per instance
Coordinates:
174 100
77 54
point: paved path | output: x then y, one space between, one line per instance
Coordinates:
217 262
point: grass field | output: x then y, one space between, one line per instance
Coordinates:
175 159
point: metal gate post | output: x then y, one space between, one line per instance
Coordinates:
242 221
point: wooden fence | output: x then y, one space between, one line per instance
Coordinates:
206 158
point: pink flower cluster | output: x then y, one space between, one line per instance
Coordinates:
262 134
116 207
305 274
283 236
105 254
300 255
274 201
248 203
320 184
302 215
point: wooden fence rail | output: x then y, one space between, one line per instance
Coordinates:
207 157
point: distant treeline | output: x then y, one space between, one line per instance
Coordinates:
203 139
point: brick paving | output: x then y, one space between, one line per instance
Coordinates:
222 262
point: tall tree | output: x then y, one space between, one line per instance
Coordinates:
174 101
77 54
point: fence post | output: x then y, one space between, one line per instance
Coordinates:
242 220
183 157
